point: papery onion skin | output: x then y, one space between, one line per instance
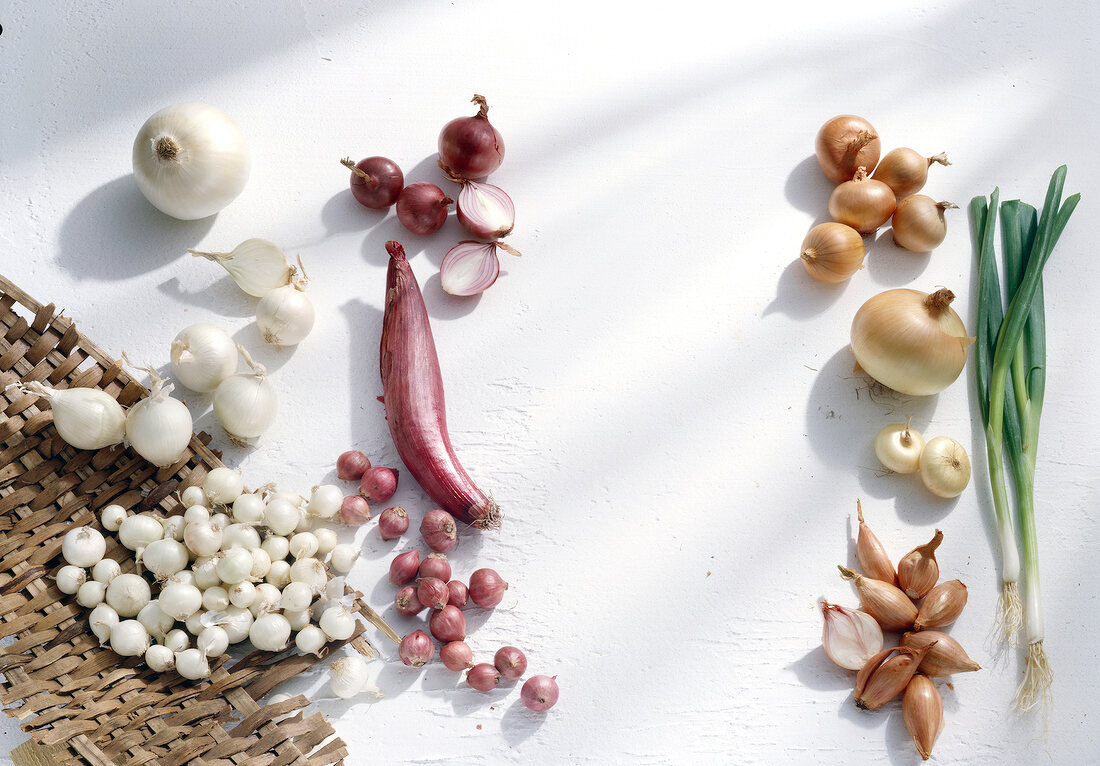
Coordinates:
862 203
919 224
413 397
832 252
843 144
905 170
910 341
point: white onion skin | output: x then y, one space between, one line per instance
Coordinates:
906 346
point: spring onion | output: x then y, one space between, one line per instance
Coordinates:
1011 383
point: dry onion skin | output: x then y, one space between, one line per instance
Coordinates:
845 143
919 224
910 341
862 202
832 252
906 171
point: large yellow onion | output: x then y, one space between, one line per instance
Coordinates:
910 341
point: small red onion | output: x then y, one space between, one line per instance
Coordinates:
487 588
439 530
378 483
484 210
351 465
448 624
471 267
375 181
422 208
416 649
393 522
511 662
355 510
404 566
432 592
406 601
460 594
457 655
436 565
483 677
470 147
539 693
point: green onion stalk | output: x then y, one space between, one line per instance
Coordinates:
1011 383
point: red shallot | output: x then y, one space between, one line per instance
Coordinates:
439 531
413 395
457 655
539 693
355 510
511 662
432 592
422 208
460 594
393 522
407 602
470 147
375 181
471 267
404 566
416 649
484 210
483 677
448 624
487 588
378 483
351 465
436 565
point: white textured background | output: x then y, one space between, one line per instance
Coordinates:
656 394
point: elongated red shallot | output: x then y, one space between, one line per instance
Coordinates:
412 387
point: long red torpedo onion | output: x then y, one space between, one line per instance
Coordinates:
412 387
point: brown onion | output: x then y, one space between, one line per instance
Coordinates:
919 224
906 171
862 202
832 252
843 144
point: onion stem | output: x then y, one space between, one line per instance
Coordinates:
1011 384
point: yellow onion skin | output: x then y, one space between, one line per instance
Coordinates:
910 341
832 252
905 170
843 144
862 203
919 223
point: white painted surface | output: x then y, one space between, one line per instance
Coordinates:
655 393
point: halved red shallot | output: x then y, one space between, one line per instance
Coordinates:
471 267
484 210
412 387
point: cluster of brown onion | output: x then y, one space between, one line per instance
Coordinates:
869 193
910 600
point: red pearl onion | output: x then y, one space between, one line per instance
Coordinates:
448 624
483 677
355 510
422 208
457 655
404 566
471 267
432 592
351 465
539 693
416 649
460 594
393 522
375 181
436 565
378 483
487 588
439 530
470 147
486 211
511 662
407 602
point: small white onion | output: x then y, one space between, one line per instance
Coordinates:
326 540
261 563
106 570
344 557
243 594
180 600
86 418
91 594
267 599
83 546
325 501
192 664
248 509
236 623
258 266
160 658
203 538
348 676
101 620
310 571
270 632
111 517
281 516
296 596
215 599
177 640
154 619
128 594
164 557
223 485
944 467
245 403
303 545
234 565
337 623
285 315
221 519
277 698
198 511
204 569
70 578
203 355
298 620
138 531
276 546
240 536
198 622
898 447
158 427
186 576
311 640
278 574
173 528
129 638
193 495
213 641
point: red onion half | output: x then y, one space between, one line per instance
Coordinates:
486 211
470 147
471 267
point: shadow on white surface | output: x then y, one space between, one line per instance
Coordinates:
816 671
893 266
800 296
807 188
223 297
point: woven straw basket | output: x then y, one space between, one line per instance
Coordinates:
80 702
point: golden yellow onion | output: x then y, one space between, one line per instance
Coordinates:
906 171
919 224
832 252
910 341
843 144
862 203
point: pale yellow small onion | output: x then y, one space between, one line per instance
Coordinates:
910 341
906 171
919 224
862 202
844 143
944 467
898 448
832 252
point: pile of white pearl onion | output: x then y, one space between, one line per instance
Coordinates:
233 566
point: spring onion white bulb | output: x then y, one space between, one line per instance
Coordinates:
270 632
348 676
298 620
173 528
240 536
129 638
898 447
258 266
245 403
106 570
158 427
136 532
128 594
944 467
101 620
164 557
223 485
326 541
111 517
285 315
311 640
177 640
337 623
213 641
278 574
344 557
261 563
192 664
155 620
296 596
248 509
203 355
203 538
910 341
325 501
70 578
267 599
276 546
160 659
311 572
192 496
215 599
180 600
83 546
282 517
303 545
86 418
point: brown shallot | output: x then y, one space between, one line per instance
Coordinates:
832 252
886 603
946 658
873 559
922 709
941 606
918 570
886 674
